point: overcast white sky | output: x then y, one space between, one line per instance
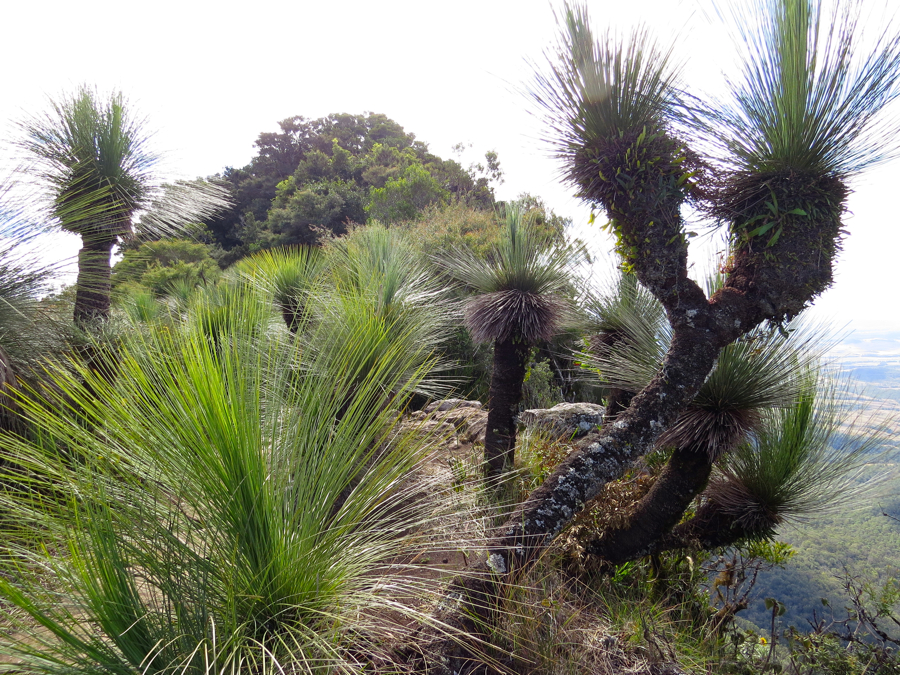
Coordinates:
210 76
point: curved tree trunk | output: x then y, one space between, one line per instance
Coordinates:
701 326
709 529
92 288
683 478
507 378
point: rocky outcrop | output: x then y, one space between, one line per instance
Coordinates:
466 420
564 421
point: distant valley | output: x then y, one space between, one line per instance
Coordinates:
864 538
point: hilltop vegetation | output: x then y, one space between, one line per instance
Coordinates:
314 178
244 449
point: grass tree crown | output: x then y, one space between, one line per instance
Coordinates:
92 153
806 459
600 90
807 113
807 100
520 289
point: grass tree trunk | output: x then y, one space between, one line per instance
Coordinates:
7 380
92 288
683 478
507 379
294 315
712 527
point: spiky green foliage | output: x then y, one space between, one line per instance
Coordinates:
232 307
623 307
289 275
762 370
521 288
805 460
596 91
814 89
632 334
624 317
173 208
22 280
381 263
142 306
209 509
377 283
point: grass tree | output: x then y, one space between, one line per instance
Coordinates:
289 275
27 334
520 296
803 460
624 316
92 155
756 376
205 511
379 284
806 115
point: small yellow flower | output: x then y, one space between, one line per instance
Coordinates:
763 641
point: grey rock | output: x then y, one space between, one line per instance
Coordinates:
468 419
450 404
565 420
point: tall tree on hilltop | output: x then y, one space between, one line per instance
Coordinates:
92 154
520 298
806 117
313 177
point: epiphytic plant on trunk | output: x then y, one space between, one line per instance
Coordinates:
520 297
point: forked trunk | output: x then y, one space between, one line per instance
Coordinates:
507 378
646 216
92 289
